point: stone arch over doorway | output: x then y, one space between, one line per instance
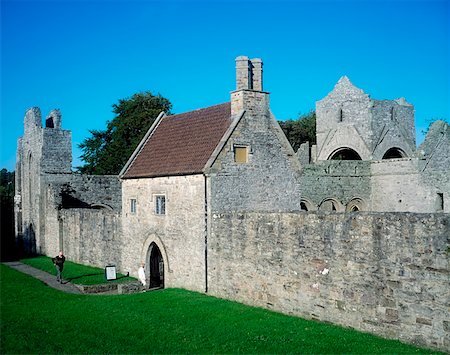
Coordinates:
154 256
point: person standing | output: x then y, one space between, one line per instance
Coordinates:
141 275
59 264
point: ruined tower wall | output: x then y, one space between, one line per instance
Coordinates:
384 273
393 126
41 152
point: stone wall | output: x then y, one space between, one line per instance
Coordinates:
268 181
342 181
96 191
91 237
384 273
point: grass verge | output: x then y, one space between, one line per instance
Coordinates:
38 319
75 273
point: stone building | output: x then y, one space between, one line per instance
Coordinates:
366 157
232 156
214 200
47 190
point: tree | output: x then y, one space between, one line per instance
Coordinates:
105 152
7 246
300 130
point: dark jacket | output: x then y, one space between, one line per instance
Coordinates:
59 261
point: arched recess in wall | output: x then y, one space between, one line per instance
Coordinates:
153 238
30 182
331 205
356 204
306 205
394 153
344 154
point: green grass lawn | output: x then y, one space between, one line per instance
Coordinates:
75 273
38 319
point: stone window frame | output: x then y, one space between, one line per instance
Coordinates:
160 210
133 205
238 147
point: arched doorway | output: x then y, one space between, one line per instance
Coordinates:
155 269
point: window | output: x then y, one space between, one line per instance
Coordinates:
341 115
160 205
133 206
440 202
241 154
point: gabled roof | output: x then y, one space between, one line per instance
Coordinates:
180 144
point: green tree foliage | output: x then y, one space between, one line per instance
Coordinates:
105 152
7 246
300 130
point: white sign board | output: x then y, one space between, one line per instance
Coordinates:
110 272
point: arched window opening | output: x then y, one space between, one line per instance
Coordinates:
355 205
345 154
49 122
394 153
30 181
330 205
307 206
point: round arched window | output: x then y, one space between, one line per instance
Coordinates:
345 154
394 153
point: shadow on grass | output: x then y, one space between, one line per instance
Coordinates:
81 276
95 274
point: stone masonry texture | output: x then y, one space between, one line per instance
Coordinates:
385 273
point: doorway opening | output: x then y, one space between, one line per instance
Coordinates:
156 267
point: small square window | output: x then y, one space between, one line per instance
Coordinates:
241 154
133 206
160 205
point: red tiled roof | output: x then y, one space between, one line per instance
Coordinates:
181 144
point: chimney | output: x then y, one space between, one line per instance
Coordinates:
243 73
248 95
248 73
256 76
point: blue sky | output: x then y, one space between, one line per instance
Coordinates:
83 56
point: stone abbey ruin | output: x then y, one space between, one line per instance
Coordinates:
354 230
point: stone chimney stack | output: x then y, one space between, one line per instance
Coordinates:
256 65
243 73
248 73
249 95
